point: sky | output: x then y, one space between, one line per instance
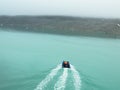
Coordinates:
80 8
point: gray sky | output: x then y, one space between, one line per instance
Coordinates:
84 8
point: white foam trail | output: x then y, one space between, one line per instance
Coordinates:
50 76
60 85
77 80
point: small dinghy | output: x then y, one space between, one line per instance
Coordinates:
65 64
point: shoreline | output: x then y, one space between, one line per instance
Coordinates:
63 25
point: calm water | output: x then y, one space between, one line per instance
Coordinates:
33 62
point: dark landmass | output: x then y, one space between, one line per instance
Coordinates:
76 26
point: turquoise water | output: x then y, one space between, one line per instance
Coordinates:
33 62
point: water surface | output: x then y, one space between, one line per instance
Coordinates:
26 59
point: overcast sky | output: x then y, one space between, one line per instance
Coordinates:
84 8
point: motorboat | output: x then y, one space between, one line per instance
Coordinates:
65 64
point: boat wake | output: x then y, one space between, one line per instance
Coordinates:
50 76
62 79
77 80
60 85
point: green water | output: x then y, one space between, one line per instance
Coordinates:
26 59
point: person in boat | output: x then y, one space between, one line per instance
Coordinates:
65 64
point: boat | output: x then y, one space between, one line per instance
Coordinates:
65 64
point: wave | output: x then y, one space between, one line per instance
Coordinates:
77 80
61 82
60 85
50 76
